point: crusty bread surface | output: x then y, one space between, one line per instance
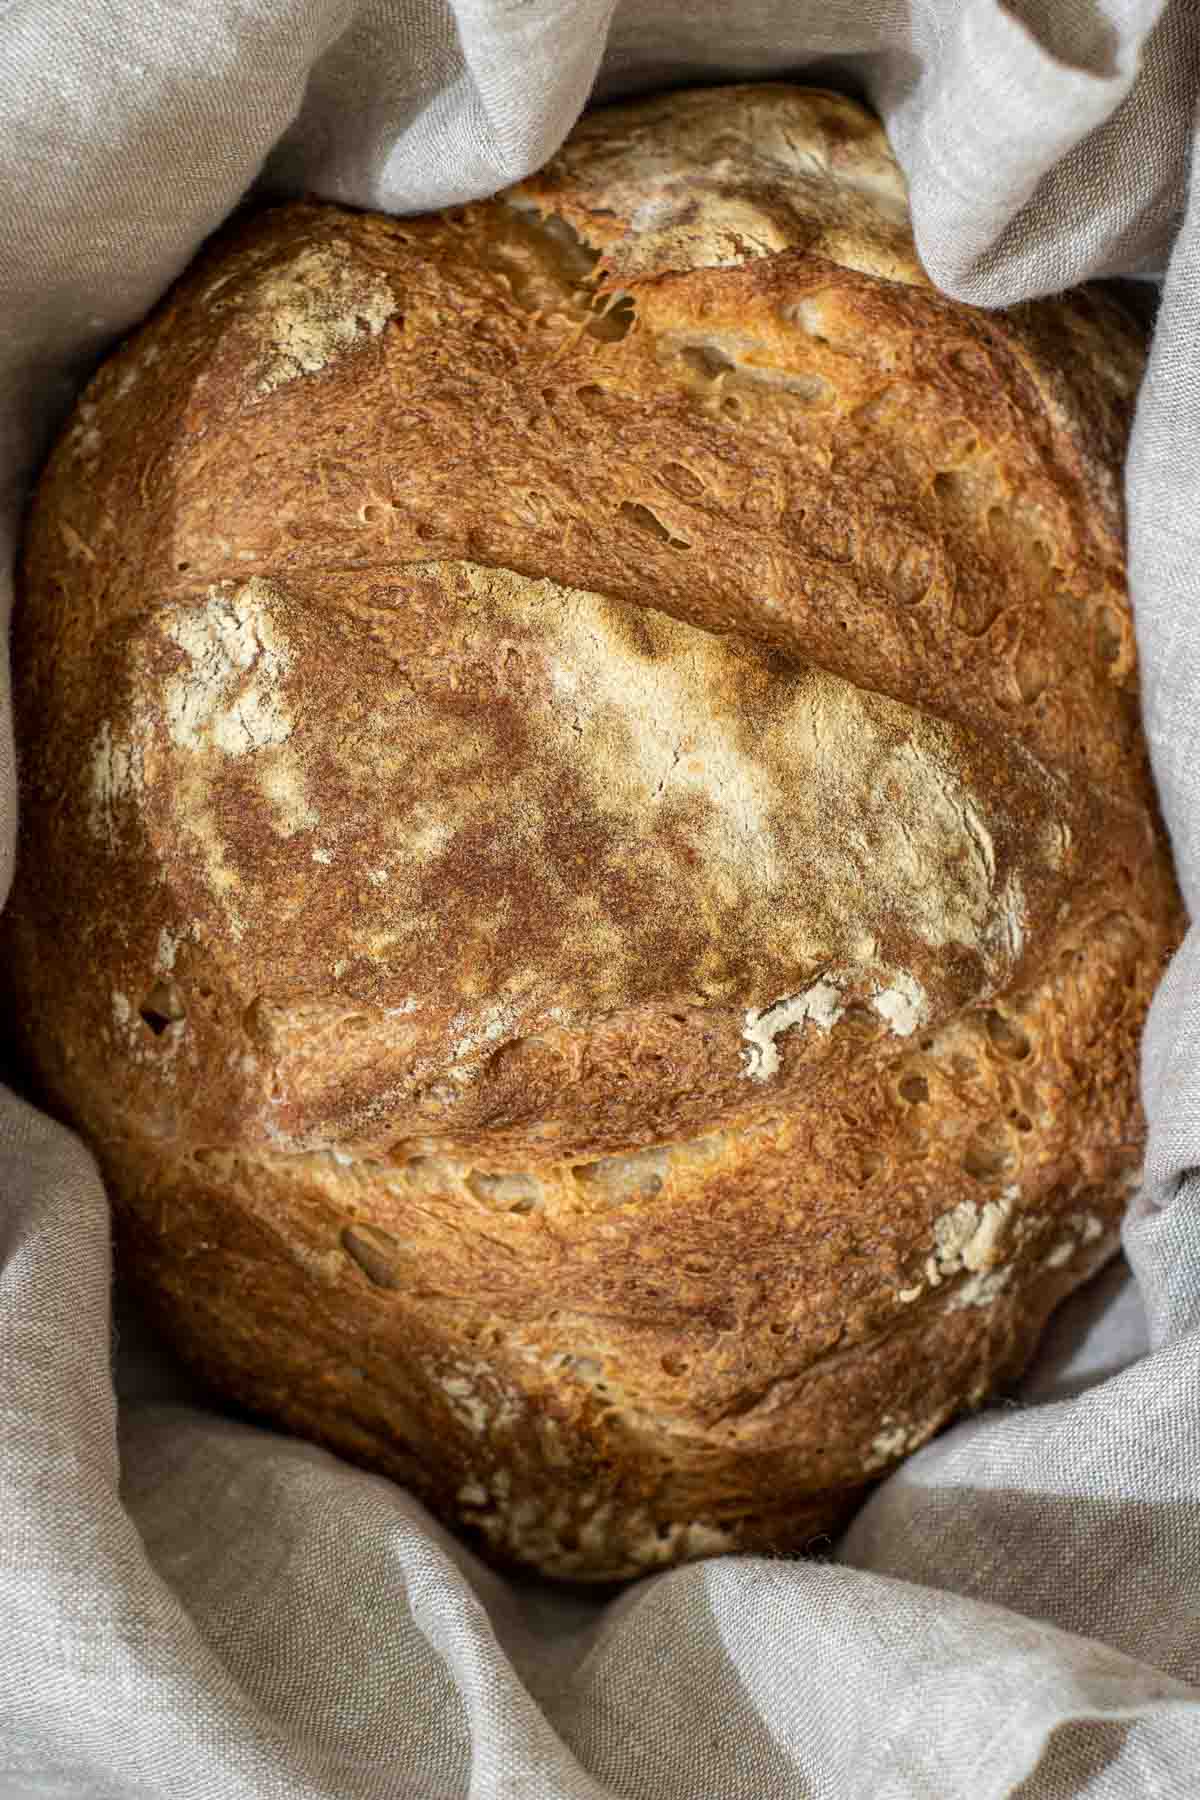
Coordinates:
588 864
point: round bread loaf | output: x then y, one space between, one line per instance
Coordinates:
587 862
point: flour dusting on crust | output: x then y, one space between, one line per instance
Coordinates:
822 1004
321 304
115 776
227 695
902 1004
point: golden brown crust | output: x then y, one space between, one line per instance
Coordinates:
618 707
718 177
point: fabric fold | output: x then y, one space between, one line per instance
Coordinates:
196 1607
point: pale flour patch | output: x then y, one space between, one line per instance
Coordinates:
903 1006
227 697
116 775
886 1445
281 782
425 841
951 1234
982 1248
474 1027
477 1399
971 1237
1006 936
822 1004
471 1409
322 304
169 945
195 815
954 840
1086 1228
830 772
897 1438
83 439
1055 843
649 711
979 1290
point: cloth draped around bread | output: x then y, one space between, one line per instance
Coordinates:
196 1606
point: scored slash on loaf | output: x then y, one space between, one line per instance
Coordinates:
588 865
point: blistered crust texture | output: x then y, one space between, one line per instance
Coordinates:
587 861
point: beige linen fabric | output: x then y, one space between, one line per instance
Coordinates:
196 1609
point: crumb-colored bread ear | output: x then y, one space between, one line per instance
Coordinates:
587 861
